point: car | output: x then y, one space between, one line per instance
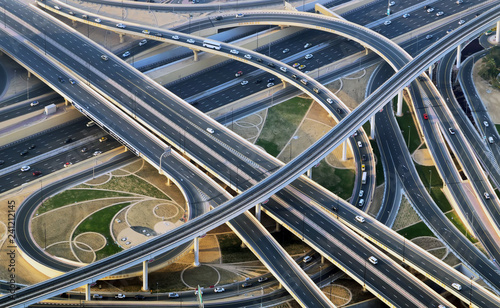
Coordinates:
143 42
98 20
461 22
140 297
258 59
373 260
262 279
363 167
127 243
265 202
246 285
387 22
85 16
329 100
238 73
392 3
23 153
234 51
286 50
96 296
307 259
72 81
248 57
158 34
294 76
270 64
35 103
361 193
489 32
307 45
240 15
145 31
459 1
57 7
361 202
126 54
360 144
68 164
270 84
61 80
302 66
83 150
316 90
244 82
406 15
283 69
120 296
486 124
271 79
218 18
361 219
308 56
363 157
490 139
257 81
90 123
210 130
440 13
25 168
121 26
31 147
175 37
36 173
296 64
304 81
2 162
219 290
449 31
428 36
71 13
456 286
430 10
355 133
452 131
196 292
339 111
426 117
104 57
97 153
102 139
486 196
173 295
68 140
123 239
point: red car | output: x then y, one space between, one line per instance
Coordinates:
37 173
426 116
238 74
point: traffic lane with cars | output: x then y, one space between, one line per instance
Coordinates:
30 106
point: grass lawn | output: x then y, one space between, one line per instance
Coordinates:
230 247
281 123
338 181
453 217
133 184
76 195
99 222
406 123
379 168
416 230
498 127
429 173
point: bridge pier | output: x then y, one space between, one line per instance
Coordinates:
87 292
399 112
29 74
195 52
145 284
196 251
258 211
344 150
73 23
66 102
322 259
278 227
372 127
430 71
309 173
459 55
497 36
122 37
283 83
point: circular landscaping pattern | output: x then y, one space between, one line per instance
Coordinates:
166 210
339 295
203 275
93 240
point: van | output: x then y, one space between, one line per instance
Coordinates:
490 139
91 123
360 145
373 260
360 219
456 286
210 130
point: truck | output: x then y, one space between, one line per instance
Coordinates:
363 178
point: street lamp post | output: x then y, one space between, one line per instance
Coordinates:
470 291
430 180
404 246
157 291
409 136
261 295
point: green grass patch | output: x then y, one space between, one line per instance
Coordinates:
430 173
338 181
133 184
76 195
408 128
99 222
453 217
416 230
379 168
230 246
281 123
498 128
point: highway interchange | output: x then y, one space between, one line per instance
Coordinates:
187 145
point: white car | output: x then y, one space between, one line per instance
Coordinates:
239 15
283 69
173 295
96 296
428 36
461 22
175 37
25 168
387 22
360 219
143 42
97 153
121 296
244 82
57 7
373 260
329 100
270 84
34 103
430 10
286 50
406 15
123 239
307 259
361 193
440 13
456 286
307 45
219 290
190 41
248 57
361 202
210 130
145 31
234 51
486 124
392 3
308 56
120 25
196 292
126 54
98 20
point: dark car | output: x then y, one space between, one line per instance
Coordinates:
258 59
270 80
32 147
35 173
83 150
68 140
2 162
257 81
25 152
262 279
218 18
340 111
140 297
246 285
61 80
270 64
363 157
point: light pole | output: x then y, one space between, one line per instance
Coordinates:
409 137
261 295
404 246
430 180
27 87
364 277
470 291
157 291
166 152
320 272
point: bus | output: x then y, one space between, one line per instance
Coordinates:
363 178
212 45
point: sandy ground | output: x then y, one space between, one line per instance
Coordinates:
489 95
423 157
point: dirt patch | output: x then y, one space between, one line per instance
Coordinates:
406 215
85 255
135 166
338 295
89 240
202 275
378 196
352 87
451 260
439 253
427 242
61 250
423 157
489 95
120 172
141 214
97 181
250 127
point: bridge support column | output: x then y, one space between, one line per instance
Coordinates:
29 74
122 37
258 211
196 251
430 71
73 23
87 292
344 150
366 51
399 112
169 183
278 227
372 127
283 83
497 37
309 173
66 102
145 284
459 55
322 259
195 52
